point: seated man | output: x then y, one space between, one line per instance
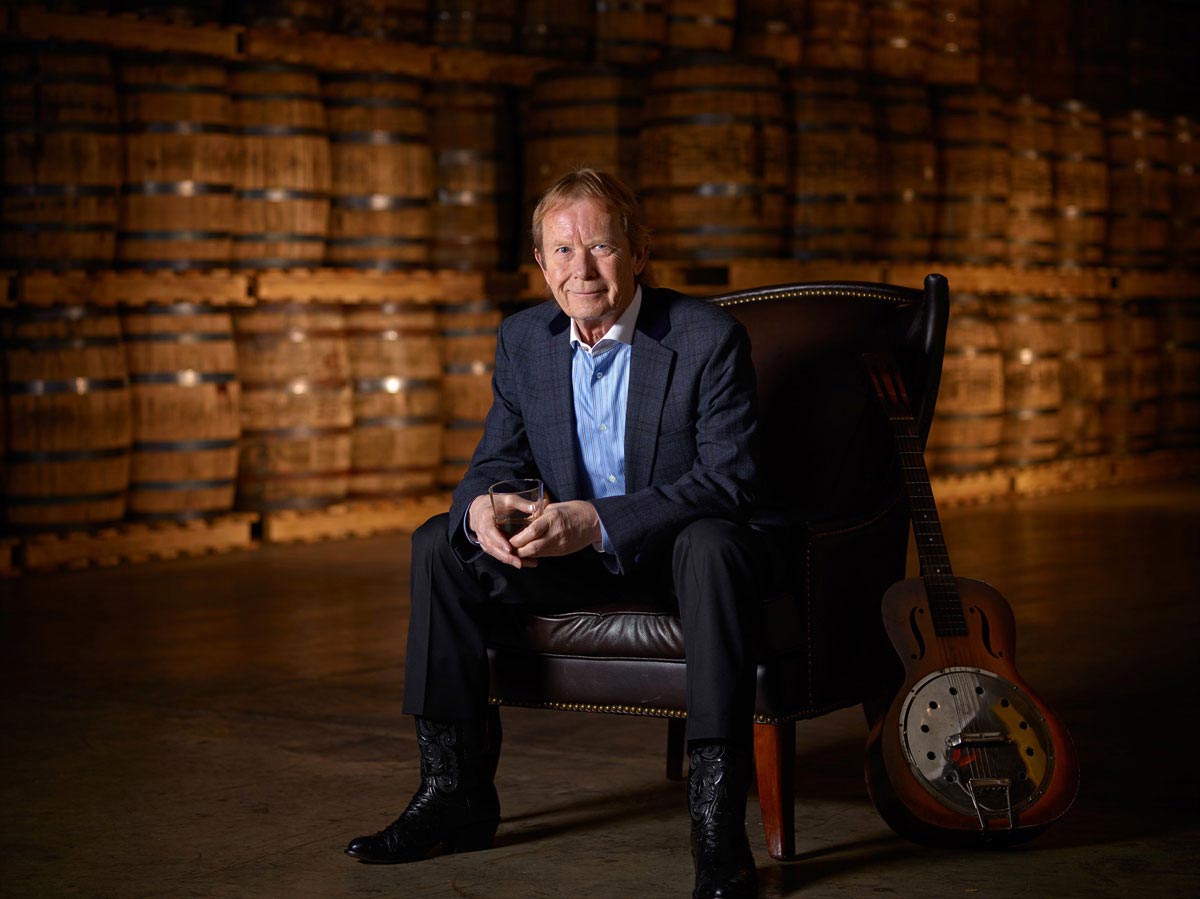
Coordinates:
635 406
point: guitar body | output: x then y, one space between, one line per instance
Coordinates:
967 753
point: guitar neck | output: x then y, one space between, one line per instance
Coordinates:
945 604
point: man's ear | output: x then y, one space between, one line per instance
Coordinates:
639 260
537 255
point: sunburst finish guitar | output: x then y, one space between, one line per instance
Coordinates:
967 753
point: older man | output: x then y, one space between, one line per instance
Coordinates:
636 408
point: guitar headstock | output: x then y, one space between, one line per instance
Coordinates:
889 386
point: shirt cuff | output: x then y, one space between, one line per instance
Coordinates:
605 545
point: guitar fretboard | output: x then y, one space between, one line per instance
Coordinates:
945 604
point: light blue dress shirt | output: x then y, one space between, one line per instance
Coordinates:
600 387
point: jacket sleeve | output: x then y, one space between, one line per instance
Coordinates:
503 451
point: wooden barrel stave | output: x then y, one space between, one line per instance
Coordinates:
177 209
185 398
713 166
469 346
281 165
1032 235
1133 381
68 417
1080 186
906 211
706 25
473 170
297 406
968 427
1085 359
898 42
835 167
61 158
1139 179
836 37
1030 334
973 162
396 364
382 171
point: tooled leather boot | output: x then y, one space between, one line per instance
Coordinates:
717 786
456 805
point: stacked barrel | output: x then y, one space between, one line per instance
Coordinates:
926 132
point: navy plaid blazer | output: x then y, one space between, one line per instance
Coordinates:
690 429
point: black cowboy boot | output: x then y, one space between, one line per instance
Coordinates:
456 805
717 786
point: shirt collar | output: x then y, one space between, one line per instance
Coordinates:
620 332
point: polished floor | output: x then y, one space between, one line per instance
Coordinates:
218 728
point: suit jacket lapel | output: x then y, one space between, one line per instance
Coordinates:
554 385
649 377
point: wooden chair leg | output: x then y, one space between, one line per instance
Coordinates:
775 761
676 727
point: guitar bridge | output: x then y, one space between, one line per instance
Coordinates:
994 785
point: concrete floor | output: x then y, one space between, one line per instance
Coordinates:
220 727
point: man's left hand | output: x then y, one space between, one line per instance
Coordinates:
561 529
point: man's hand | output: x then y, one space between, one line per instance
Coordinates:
561 529
483 523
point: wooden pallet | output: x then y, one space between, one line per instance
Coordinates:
128 33
331 285
134 288
1063 476
973 487
352 519
137 542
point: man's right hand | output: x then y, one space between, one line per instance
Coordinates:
483 524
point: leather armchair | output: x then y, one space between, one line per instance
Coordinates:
828 460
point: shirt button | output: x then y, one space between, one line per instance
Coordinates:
599 375
603 427
612 479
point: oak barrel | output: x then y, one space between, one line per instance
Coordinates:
469 345
1085 360
969 424
177 207
630 32
185 397
554 28
1139 189
898 38
297 406
382 181
906 212
713 161
396 365
1080 186
68 417
705 25
836 37
61 158
473 177
474 23
1133 383
954 42
1032 235
1181 373
1185 209
973 159
1030 333
390 20
281 167
586 117
835 167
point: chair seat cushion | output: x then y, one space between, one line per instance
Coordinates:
629 629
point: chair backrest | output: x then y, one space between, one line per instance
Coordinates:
825 445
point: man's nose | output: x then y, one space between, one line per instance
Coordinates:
583 266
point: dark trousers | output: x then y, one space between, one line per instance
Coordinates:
716 575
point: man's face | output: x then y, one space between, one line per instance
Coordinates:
588 264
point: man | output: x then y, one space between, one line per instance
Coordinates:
636 408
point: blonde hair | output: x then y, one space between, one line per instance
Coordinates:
590 184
